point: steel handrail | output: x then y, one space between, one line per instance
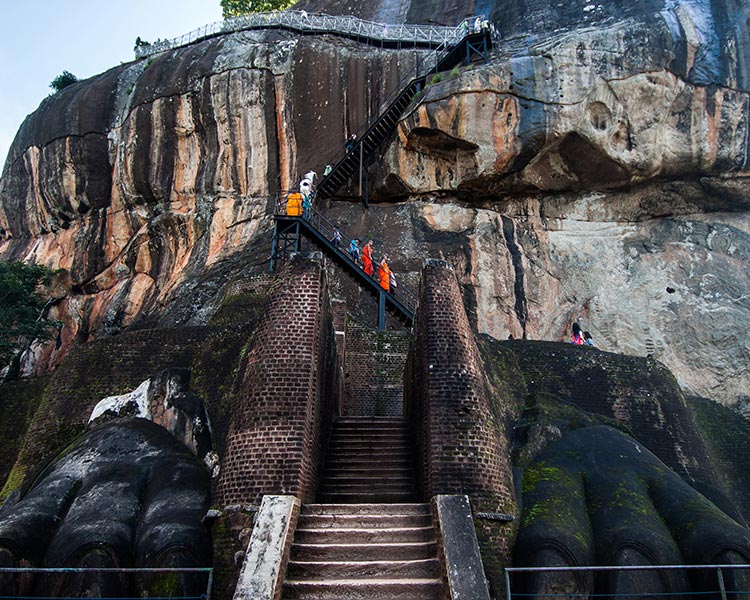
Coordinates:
325 227
433 60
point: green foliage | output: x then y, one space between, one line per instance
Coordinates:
139 42
64 79
233 8
454 71
436 78
22 305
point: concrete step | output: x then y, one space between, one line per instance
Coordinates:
350 521
373 569
359 552
362 535
405 508
363 589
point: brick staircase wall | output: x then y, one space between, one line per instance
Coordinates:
460 430
374 371
286 394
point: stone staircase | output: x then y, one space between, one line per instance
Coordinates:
370 540
369 459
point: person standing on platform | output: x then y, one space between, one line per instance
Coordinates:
367 259
384 274
576 336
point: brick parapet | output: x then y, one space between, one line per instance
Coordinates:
284 402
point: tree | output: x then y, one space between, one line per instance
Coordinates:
140 43
233 8
22 304
64 79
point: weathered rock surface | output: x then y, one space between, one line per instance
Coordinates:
138 180
599 161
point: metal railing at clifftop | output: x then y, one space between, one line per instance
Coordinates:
402 36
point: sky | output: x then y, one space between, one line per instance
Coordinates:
39 39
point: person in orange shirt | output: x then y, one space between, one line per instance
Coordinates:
367 259
384 274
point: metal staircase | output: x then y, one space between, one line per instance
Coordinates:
288 232
373 134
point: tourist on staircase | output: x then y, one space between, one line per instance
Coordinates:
354 250
305 188
384 274
367 259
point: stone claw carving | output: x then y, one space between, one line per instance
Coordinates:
126 493
598 496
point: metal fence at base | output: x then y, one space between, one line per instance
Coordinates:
29 583
657 582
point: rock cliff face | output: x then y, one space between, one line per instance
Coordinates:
595 170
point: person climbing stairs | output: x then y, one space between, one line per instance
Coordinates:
289 229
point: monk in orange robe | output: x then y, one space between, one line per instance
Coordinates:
294 204
367 259
384 274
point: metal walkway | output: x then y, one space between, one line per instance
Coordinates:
288 232
354 156
380 34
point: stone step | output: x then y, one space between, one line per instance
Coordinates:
369 420
360 440
361 535
370 470
404 508
366 462
336 478
380 432
372 569
363 589
358 552
350 521
365 498
352 451
365 452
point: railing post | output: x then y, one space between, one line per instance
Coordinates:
361 161
274 246
722 588
381 311
507 585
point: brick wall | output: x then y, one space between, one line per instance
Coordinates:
374 371
449 405
282 409
18 401
460 429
